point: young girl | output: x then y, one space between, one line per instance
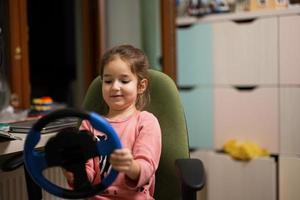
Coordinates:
124 71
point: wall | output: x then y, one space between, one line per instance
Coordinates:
123 23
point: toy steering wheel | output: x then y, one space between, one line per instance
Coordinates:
71 151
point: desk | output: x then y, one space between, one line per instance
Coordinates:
14 146
15 180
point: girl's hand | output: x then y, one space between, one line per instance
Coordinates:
122 161
69 175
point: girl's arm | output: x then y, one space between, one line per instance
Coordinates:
147 149
140 164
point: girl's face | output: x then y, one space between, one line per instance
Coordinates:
120 86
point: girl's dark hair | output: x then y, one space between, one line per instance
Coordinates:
138 63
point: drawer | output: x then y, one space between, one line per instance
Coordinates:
290 120
289 32
289 178
194 55
235 180
198 108
246 52
251 114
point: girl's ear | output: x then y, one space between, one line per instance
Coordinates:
143 84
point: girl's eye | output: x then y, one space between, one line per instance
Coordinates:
107 81
125 81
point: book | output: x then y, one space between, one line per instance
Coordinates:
8 135
55 126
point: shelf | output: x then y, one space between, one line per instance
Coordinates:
189 21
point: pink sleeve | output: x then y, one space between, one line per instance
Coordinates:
90 164
147 149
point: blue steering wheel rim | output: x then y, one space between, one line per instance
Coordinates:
35 161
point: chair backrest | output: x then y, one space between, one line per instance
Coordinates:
166 105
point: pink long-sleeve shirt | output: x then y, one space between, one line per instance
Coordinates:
141 133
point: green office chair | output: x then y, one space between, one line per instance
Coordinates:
178 176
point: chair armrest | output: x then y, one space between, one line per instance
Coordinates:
192 176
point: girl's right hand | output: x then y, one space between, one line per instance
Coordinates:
122 160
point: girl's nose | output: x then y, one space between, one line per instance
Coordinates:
115 85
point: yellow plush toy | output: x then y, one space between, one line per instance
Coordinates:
244 150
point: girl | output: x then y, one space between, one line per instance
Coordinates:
124 71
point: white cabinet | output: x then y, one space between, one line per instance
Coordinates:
247 115
256 97
194 70
199 110
289 59
289 56
245 52
235 180
289 178
290 120
194 60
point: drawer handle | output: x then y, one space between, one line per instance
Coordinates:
245 87
186 88
244 21
185 26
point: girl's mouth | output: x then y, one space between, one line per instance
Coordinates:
115 96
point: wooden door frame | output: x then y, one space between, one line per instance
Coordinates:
18 52
168 37
93 13
93 43
18 55
94 37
